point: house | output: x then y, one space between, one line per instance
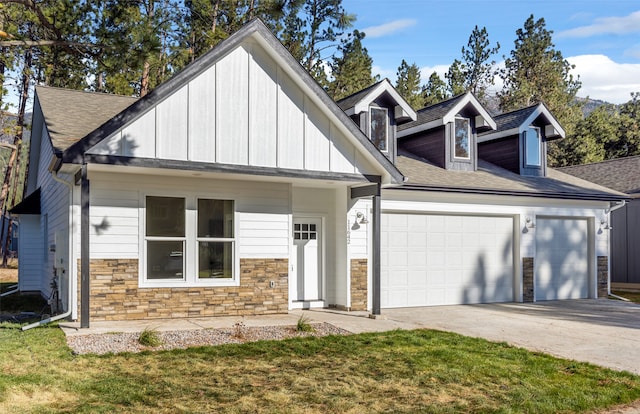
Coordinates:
621 174
481 218
239 187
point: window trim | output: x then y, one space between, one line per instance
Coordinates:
386 130
191 240
469 138
526 162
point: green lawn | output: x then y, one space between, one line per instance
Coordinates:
399 372
632 296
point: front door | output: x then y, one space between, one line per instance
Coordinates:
307 241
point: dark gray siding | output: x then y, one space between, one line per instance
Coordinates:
625 243
429 145
503 153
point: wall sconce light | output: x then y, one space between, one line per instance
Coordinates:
604 225
362 218
529 223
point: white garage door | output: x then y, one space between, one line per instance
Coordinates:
562 259
445 259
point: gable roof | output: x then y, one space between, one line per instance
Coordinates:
511 123
360 101
443 113
72 114
620 174
491 179
254 31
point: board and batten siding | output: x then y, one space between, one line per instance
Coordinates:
262 210
243 110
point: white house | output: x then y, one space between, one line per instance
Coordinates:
239 187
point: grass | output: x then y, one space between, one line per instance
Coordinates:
303 324
150 337
633 296
398 371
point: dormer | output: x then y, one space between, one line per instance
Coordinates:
445 133
519 143
378 110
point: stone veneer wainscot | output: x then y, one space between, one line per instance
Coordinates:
359 284
115 294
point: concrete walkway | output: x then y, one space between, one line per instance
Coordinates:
602 332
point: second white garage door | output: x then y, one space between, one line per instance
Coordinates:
432 259
562 259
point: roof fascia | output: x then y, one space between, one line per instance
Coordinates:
226 168
468 98
541 110
460 190
498 134
422 127
385 86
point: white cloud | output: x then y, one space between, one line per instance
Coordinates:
388 28
384 73
425 72
604 79
606 25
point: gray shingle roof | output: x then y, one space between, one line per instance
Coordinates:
621 174
490 178
70 115
433 112
351 100
513 119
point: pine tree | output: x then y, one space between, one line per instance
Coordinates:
352 70
456 78
478 70
435 90
537 72
408 84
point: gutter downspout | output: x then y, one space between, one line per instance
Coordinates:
15 289
608 212
54 175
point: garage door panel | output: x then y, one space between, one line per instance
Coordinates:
561 262
449 259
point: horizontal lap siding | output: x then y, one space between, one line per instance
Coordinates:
30 248
55 205
262 212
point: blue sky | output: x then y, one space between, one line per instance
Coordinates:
601 37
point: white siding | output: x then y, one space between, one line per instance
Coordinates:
290 124
262 210
30 250
202 117
171 121
55 206
243 110
232 88
263 132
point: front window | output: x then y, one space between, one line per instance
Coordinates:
462 138
190 240
215 239
165 237
379 128
532 147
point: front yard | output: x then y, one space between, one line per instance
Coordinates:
399 371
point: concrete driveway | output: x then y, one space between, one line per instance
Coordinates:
603 332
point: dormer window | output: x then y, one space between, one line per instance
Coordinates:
379 127
462 138
532 147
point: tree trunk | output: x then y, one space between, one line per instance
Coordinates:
10 184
